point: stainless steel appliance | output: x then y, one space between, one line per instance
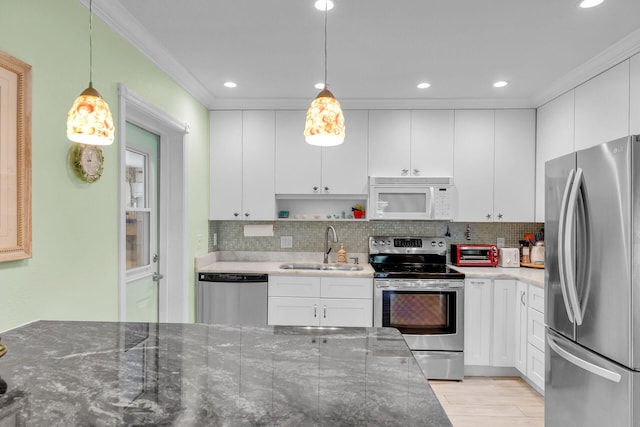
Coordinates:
592 286
474 255
417 293
410 197
232 298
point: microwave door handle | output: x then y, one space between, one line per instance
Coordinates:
561 245
581 363
432 204
569 244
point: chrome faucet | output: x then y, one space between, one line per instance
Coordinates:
327 249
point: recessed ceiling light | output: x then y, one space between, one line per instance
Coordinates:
319 85
323 5
230 84
501 83
424 85
586 4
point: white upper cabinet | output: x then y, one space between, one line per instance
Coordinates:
602 107
389 142
242 165
555 134
298 164
432 142
494 165
344 167
473 168
634 125
411 143
514 180
258 165
226 165
302 168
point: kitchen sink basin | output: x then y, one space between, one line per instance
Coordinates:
320 266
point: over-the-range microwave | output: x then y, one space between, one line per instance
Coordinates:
411 197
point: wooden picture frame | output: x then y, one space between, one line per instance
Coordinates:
15 158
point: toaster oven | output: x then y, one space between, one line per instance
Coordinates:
474 255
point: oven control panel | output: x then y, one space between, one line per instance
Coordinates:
405 245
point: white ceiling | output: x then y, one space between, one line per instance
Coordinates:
378 51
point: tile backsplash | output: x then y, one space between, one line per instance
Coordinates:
308 236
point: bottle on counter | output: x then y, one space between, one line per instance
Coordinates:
342 254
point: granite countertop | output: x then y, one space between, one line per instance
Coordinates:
534 276
112 374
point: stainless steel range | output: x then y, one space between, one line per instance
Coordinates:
416 292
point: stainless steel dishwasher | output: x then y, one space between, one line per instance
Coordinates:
231 298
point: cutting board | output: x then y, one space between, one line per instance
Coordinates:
529 265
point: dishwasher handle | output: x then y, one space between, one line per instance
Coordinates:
232 277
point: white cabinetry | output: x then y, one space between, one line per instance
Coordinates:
478 313
514 169
634 93
535 336
242 165
602 107
494 164
302 168
320 301
473 165
521 340
411 143
555 134
504 313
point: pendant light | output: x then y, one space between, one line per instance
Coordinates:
89 120
324 125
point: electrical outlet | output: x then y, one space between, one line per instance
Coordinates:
500 242
286 242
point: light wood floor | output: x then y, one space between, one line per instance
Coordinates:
490 401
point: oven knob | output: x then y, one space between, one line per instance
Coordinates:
433 243
440 244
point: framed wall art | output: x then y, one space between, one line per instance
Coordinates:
15 158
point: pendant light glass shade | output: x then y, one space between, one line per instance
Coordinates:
89 120
325 123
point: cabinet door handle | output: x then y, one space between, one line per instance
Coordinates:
477 283
315 310
416 172
246 214
315 189
326 188
522 298
488 216
499 216
236 214
405 172
324 311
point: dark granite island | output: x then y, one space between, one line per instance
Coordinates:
112 374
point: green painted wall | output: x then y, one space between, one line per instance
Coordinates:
73 272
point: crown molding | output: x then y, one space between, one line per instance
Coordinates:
608 58
123 23
372 104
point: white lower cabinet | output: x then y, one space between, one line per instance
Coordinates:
320 301
478 312
535 336
521 341
504 313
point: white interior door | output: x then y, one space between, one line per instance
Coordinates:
141 217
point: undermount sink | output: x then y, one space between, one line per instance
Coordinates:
320 266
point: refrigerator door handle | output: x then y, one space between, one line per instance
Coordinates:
562 223
587 366
572 289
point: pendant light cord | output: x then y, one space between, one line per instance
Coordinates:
326 12
90 43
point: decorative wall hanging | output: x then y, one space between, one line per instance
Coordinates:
15 158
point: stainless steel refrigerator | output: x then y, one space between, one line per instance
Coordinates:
592 286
